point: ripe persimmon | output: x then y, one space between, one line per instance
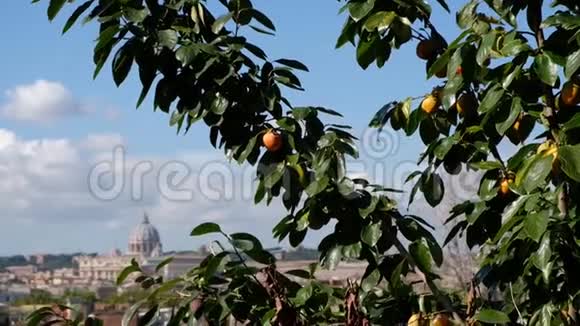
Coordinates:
466 104
430 104
272 140
504 187
570 94
426 49
440 320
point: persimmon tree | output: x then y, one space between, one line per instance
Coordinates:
511 75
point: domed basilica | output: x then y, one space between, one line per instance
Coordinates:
144 243
144 240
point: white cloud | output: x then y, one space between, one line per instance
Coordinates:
40 101
45 182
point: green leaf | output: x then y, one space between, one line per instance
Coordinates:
444 5
491 99
328 111
486 165
379 21
135 15
486 47
445 146
262 19
511 77
466 16
570 161
572 64
360 8
491 316
122 62
546 69
249 149
420 253
219 23
365 51
219 104
433 189
371 280
352 251
534 172
573 123
292 64
126 272
536 224
364 212
186 54
167 38
303 295
516 109
542 257
54 7
129 315
317 186
164 262
332 257
275 175
205 228
75 15
371 233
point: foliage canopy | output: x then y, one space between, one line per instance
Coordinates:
500 81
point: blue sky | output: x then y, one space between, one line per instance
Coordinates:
53 212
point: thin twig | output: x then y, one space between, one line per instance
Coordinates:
514 302
237 252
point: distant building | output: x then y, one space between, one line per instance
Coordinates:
144 242
22 271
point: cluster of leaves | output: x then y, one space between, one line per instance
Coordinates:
513 76
203 69
499 85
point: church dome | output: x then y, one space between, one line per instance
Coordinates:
144 239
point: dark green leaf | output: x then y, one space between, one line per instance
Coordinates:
262 19
379 21
317 186
365 51
360 8
126 272
292 64
303 295
163 263
516 109
536 224
219 23
420 253
122 62
167 38
546 69
491 99
332 257
542 257
572 64
433 189
371 233
205 228
371 280
570 161
534 172
54 7
76 14
186 54
275 175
